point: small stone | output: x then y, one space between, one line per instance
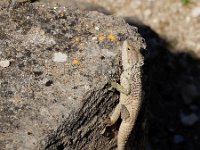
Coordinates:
188 19
94 38
147 13
68 35
196 12
87 87
107 53
59 57
4 63
97 28
178 139
189 120
19 55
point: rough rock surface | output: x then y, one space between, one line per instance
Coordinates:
54 90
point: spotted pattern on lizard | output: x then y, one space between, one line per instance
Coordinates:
130 89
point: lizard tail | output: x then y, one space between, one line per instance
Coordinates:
123 134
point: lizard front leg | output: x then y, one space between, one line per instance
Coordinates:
116 113
125 90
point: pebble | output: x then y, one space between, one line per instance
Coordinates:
4 63
107 53
188 19
97 28
147 12
19 55
59 57
196 12
68 35
94 38
189 120
178 139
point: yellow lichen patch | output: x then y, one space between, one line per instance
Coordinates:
101 36
81 47
75 61
76 39
65 24
111 37
62 13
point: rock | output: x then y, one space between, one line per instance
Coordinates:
4 63
189 120
195 12
50 105
59 57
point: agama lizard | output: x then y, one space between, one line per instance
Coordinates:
130 92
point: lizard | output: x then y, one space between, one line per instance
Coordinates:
130 89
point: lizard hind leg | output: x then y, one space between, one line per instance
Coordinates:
112 119
120 88
115 114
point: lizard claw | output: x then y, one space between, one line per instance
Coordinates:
103 131
114 84
107 123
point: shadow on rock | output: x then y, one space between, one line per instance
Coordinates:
171 82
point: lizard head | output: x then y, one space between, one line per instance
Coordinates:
131 56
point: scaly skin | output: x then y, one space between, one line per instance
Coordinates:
130 93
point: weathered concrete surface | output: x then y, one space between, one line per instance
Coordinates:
51 102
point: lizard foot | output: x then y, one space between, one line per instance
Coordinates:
114 84
107 123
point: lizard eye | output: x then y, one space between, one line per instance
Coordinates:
128 49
